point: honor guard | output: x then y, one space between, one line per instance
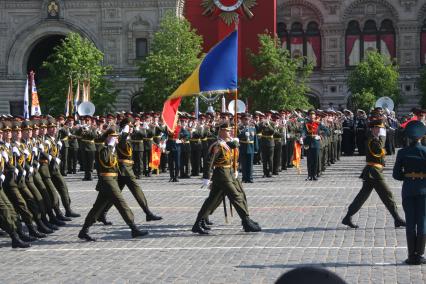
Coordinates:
248 146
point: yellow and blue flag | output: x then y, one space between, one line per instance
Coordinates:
217 73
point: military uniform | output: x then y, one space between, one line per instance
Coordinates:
173 147
137 144
312 141
63 136
196 151
185 151
410 167
373 178
248 146
267 145
88 135
73 151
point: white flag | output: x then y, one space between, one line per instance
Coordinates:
26 101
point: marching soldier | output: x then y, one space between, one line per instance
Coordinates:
224 183
373 178
110 191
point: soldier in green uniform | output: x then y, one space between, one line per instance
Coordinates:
137 144
110 191
410 167
63 136
73 146
196 148
267 144
88 134
184 136
373 178
223 182
278 141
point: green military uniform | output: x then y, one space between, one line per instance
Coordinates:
278 141
267 145
88 135
72 151
373 178
63 136
137 144
109 193
224 183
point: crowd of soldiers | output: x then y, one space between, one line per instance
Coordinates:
37 153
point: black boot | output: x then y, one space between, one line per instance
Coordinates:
348 222
22 235
34 232
53 220
208 222
17 242
136 232
70 213
399 222
204 225
420 248
84 234
151 216
48 224
411 246
197 228
104 220
60 216
41 227
250 226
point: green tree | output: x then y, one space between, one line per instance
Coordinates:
173 56
280 82
76 57
422 86
376 76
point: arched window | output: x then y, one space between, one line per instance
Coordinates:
370 39
423 44
313 44
353 44
387 39
302 42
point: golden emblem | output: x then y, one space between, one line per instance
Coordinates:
228 13
53 9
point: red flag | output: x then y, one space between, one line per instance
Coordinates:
155 158
403 125
297 154
170 110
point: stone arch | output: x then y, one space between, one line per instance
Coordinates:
311 12
21 46
361 9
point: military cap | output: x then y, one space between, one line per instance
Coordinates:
1 127
110 115
111 131
43 123
16 126
311 111
51 122
245 115
375 122
225 126
26 125
71 117
7 126
136 117
415 129
317 275
61 116
125 121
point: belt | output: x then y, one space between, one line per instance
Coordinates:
415 175
186 142
377 165
108 174
268 137
223 167
131 162
246 142
44 161
136 141
204 139
65 139
277 139
211 138
148 139
99 143
157 136
88 141
195 140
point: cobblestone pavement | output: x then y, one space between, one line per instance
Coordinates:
300 221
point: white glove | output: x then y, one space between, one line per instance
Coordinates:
47 142
58 161
38 166
24 173
235 139
50 158
2 177
301 141
26 153
5 156
35 150
31 170
16 172
206 183
247 134
178 141
126 129
15 150
41 147
236 175
59 144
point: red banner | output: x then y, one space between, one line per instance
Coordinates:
169 114
387 45
314 50
350 51
297 154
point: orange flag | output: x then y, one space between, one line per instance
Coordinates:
297 154
155 159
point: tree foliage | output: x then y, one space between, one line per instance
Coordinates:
280 82
422 86
376 76
174 55
76 57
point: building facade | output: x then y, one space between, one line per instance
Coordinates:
333 34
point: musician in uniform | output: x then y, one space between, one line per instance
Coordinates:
248 146
373 177
267 130
185 148
223 182
410 167
88 135
63 136
73 146
137 144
